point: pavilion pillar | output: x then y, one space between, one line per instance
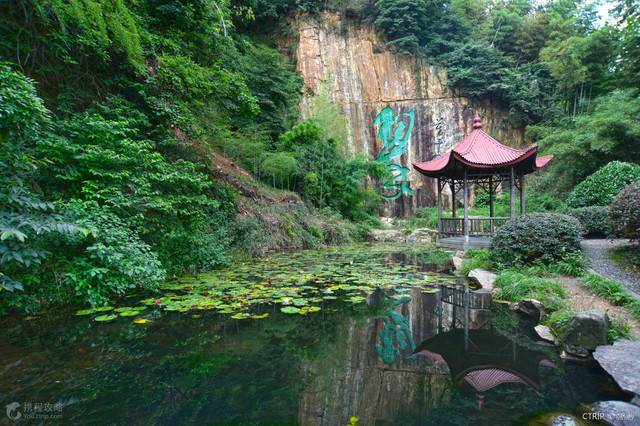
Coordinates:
439 208
453 197
491 196
522 193
465 223
513 193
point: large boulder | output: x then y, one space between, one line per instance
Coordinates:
388 235
586 331
621 361
482 278
422 235
528 309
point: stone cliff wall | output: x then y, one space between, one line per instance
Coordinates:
416 115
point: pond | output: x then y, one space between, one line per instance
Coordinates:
381 333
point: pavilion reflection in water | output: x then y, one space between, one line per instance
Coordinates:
487 359
405 365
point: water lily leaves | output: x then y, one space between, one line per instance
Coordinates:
103 308
141 321
85 312
102 318
349 273
129 313
260 316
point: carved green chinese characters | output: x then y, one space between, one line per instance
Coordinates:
394 132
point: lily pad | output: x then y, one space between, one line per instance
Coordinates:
105 318
141 321
129 313
85 312
290 310
103 308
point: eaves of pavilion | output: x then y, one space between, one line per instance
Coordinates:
482 160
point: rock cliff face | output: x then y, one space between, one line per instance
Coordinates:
398 108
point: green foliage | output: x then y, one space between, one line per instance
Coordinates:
24 216
612 291
324 177
545 236
402 21
477 259
572 264
624 213
600 188
593 220
628 256
608 131
172 205
97 27
619 329
475 66
536 202
559 320
514 285
111 260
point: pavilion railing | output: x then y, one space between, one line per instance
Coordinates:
478 226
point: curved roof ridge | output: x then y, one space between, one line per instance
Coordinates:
479 150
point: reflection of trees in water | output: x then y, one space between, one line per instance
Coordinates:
323 366
362 381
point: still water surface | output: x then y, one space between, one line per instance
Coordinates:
422 349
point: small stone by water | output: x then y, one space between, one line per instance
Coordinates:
482 278
528 309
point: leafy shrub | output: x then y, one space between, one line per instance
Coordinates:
111 259
482 200
542 203
430 213
624 213
593 219
25 216
545 236
514 285
600 188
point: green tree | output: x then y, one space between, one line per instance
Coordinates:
402 21
24 216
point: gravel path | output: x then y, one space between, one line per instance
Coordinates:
598 251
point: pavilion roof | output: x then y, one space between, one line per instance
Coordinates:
479 153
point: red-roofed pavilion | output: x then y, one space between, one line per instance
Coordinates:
482 160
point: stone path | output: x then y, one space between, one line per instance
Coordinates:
599 252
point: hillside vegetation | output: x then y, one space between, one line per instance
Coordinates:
113 116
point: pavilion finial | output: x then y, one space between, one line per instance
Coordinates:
477 123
